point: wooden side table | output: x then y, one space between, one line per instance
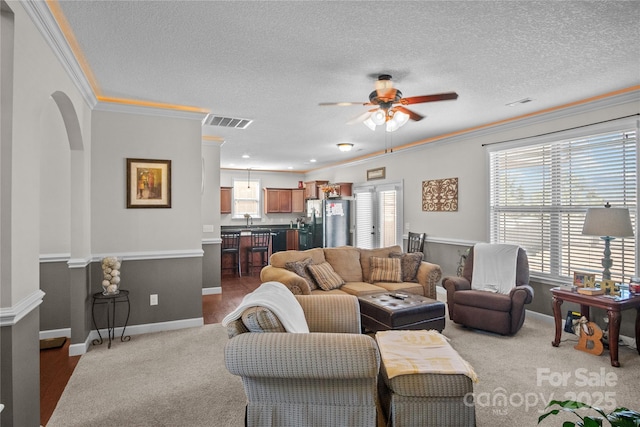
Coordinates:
613 306
110 300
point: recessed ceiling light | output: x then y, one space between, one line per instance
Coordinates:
290 167
245 156
312 160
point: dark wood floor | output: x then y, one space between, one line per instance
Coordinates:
56 366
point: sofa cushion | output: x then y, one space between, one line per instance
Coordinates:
385 270
261 319
300 268
483 299
325 276
345 261
361 288
279 259
410 263
366 254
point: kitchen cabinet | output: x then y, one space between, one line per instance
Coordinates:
292 240
297 201
312 189
277 200
226 197
344 189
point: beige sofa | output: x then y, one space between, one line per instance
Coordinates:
325 378
353 265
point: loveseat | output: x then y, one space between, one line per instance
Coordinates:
326 377
354 271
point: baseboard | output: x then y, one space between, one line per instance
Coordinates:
55 333
82 348
212 291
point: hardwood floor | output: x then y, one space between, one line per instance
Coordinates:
56 366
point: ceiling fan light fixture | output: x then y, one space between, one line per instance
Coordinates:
345 146
378 117
398 120
369 123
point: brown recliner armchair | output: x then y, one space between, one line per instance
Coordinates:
500 313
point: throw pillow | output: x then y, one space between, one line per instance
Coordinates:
324 276
385 270
300 268
410 263
345 261
261 319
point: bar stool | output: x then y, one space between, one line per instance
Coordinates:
415 242
231 245
260 242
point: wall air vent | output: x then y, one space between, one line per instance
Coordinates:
227 122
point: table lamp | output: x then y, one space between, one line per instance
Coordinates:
607 223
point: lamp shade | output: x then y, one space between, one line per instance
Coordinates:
612 222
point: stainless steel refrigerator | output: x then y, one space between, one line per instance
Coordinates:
336 222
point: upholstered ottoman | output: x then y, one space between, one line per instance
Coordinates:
424 381
395 310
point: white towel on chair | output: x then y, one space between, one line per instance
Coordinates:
494 267
278 298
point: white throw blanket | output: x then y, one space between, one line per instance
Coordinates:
494 267
278 298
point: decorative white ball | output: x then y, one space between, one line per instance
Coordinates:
105 283
115 272
112 288
115 280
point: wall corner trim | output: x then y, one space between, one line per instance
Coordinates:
9 316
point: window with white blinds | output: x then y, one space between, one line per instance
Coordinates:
246 198
539 195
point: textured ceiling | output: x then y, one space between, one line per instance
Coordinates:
273 62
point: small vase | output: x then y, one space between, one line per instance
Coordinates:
111 275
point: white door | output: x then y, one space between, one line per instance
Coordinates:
378 215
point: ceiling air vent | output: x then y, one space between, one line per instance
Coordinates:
227 122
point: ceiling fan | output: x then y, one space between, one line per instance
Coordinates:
390 105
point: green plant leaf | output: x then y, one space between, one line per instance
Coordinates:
592 422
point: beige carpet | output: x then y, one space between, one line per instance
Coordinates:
178 378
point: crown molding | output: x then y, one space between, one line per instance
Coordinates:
123 107
9 316
44 21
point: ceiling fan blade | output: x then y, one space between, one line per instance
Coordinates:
412 115
361 117
342 104
429 98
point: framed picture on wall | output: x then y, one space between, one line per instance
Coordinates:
378 173
148 183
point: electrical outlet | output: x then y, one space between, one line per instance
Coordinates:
153 299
